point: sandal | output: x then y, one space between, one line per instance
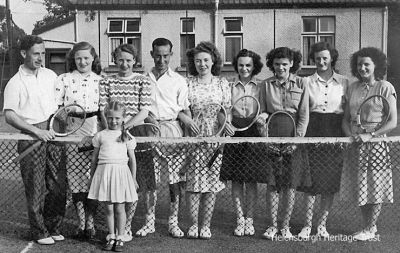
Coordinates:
205 233
119 246
239 230
174 230
109 245
193 232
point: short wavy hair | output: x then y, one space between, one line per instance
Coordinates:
127 48
254 56
284 52
28 41
206 47
376 55
96 66
322 46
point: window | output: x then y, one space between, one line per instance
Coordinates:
233 34
56 59
316 29
122 31
187 37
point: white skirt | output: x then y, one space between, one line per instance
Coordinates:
113 183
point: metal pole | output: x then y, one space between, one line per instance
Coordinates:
10 37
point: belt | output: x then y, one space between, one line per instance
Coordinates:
88 114
165 120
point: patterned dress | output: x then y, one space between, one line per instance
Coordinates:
75 88
367 174
200 178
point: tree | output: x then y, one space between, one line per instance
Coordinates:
55 12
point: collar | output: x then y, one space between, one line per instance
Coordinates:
76 72
169 72
253 80
335 77
291 78
24 73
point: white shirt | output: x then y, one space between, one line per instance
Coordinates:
32 97
327 96
75 88
170 95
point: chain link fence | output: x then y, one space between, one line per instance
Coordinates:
206 192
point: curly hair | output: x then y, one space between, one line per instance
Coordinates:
96 66
206 47
322 46
284 52
254 56
376 55
127 48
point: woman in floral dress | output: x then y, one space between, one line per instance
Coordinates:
205 87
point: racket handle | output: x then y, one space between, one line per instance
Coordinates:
214 157
85 148
358 120
27 151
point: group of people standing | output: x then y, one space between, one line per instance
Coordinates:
323 105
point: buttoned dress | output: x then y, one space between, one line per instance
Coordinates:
199 177
367 173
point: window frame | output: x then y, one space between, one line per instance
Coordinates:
233 18
115 19
231 36
194 26
132 19
317 34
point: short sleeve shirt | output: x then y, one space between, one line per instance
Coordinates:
252 88
327 96
359 91
75 88
170 95
32 97
112 150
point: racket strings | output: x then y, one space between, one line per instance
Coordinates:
244 112
373 111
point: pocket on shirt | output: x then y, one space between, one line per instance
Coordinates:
296 94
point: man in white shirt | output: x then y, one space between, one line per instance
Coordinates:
29 101
169 104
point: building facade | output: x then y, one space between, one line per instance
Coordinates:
258 25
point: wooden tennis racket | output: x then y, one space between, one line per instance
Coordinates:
280 124
244 113
211 120
62 122
373 113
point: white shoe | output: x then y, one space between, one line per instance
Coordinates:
58 238
249 228
46 241
321 231
127 236
364 235
148 228
240 226
305 233
270 233
173 228
374 229
286 234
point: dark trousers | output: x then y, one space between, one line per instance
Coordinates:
44 175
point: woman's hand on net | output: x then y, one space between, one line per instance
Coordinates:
192 127
364 137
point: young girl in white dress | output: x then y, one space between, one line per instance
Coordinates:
113 181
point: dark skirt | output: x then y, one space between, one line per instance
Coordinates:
325 160
145 174
244 162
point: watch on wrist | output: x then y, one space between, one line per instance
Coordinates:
373 134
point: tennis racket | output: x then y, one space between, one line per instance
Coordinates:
280 124
63 123
244 113
373 113
211 120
